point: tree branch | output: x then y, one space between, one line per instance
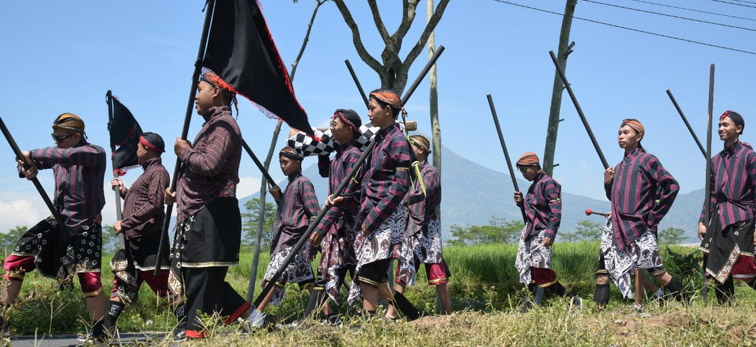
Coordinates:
426 33
306 39
408 16
379 22
361 51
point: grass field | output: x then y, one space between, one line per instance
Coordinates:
485 297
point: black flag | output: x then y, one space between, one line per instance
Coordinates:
124 137
240 49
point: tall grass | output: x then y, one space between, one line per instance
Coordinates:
483 279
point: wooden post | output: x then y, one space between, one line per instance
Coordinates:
556 93
435 126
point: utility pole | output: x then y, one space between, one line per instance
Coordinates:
565 48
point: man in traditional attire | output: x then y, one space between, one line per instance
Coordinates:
208 229
339 228
728 240
384 186
641 193
73 246
422 239
142 223
297 207
543 211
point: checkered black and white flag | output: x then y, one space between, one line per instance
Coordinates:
307 146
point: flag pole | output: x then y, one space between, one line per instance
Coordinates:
210 6
707 202
119 212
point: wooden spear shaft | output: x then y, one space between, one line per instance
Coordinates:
685 120
35 181
579 110
506 154
357 82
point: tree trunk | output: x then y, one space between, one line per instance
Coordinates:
556 93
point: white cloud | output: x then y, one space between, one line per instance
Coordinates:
247 186
21 212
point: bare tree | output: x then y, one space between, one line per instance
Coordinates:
392 70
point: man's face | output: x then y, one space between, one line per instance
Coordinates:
203 100
420 153
728 131
65 138
627 138
379 116
340 131
288 165
142 153
528 171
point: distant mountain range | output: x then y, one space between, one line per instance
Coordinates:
472 194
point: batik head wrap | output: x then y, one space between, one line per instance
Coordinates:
391 98
635 125
290 153
528 159
69 121
735 117
213 79
152 141
421 141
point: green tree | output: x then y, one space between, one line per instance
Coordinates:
498 230
250 218
585 230
8 240
109 240
671 236
568 237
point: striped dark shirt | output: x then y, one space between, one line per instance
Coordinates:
343 215
641 194
297 207
79 175
422 206
143 211
733 184
211 167
386 179
543 206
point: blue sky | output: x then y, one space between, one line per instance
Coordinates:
63 56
